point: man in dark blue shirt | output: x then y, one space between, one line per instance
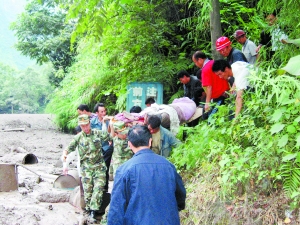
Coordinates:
191 85
147 189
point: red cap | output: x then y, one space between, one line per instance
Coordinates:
238 33
222 42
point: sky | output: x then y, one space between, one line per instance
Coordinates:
17 6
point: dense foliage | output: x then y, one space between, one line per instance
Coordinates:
130 50
23 91
147 41
44 36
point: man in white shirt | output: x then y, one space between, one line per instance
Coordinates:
273 38
240 71
249 48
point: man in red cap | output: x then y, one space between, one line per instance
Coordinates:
223 46
249 48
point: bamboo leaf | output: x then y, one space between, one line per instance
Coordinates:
294 41
298 157
295 194
225 177
277 115
283 141
293 66
297 120
223 162
127 1
277 128
289 157
298 140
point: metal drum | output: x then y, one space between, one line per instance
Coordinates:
67 181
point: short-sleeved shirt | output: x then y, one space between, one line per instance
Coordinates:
241 72
249 50
236 55
209 78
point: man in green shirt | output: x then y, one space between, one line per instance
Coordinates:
162 139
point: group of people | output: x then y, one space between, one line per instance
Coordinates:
145 182
147 189
216 79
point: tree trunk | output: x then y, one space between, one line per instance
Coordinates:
215 27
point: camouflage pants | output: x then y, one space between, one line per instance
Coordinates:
115 167
93 181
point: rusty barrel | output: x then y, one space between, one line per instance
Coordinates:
8 177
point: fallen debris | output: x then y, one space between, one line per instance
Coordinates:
14 129
52 197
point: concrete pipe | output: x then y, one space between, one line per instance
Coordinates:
25 158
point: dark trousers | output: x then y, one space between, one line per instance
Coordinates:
107 158
219 101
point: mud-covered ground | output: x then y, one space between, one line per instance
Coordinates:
34 202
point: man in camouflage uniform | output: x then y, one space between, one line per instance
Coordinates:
121 153
121 150
89 143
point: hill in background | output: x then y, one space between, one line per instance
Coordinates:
9 11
